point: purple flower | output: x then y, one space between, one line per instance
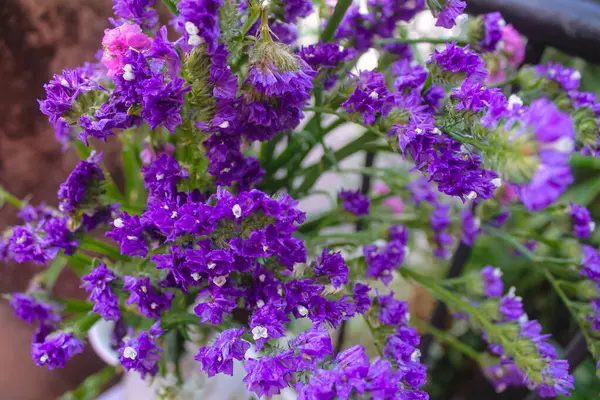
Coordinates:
568 78
162 102
333 267
268 375
63 90
492 281
511 306
198 21
470 227
493 26
582 221
215 304
474 97
295 9
26 245
556 379
381 260
56 349
590 263
370 97
29 309
82 187
219 356
97 283
140 354
128 232
407 76
457 63
312 346
150 303
355 202
391 311
137 11
545 187
267 323
161 177
447 16
421 190
361 297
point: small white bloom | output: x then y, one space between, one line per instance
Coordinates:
303 311
592 226
436 131
211 265
219 280
128 74
191 29
195 276
498 273
477 222
64 82
262 277
374 95
406 251
563 145
523 319
195 40
237 211
118 223
129 237
280 291
174 215
44 358
414 357
407 316
224 125
160 177
419 131
514 100
144 289
471 195
260 303
130 353
259 332
576 76
20 239
497 182
153 306
265 248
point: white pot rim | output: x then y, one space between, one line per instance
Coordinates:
99 337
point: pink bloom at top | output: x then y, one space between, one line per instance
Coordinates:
514 46
381 188
117 41
395 203
497 72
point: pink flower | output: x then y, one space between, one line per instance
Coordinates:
497 71
395 203
514 46
381 188
117 41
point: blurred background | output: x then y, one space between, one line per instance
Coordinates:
41 37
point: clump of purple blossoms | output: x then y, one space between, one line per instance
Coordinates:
56 349
355 202
218 357
492 281
149 301
83 186
455 63
493 25
583 225
440 221
139 12
452 9
141 354
383 259
29 309
370 97
470 227
568 78
198 21
97 283
332 266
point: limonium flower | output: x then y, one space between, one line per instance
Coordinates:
583 226
488 32
383 259
56 349
83 186
470 227
97 283
141 353
140 12
29 309
218 358
149 301
447 11
355 202
455 63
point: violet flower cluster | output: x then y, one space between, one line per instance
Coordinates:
206 246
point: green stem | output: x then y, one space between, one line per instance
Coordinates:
448 339
372 330
345 117
459 41
50 275
338 14
10 199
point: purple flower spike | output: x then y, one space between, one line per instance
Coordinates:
56 350
355 202
219 356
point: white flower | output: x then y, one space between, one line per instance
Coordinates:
237 211
414 357
211 265
195 276
498 273
303 311
130 353
195 40
64 82
592 226
259 332
497 182
219 280
118 223
160 177
471 195
514 100
224 125
260 303
191 29
128 74
563 145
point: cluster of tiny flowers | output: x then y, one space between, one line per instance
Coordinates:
591 270
447 11
355 202
382 259
140 353
538 366
97 283
493 23
583 225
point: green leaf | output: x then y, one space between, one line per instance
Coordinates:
93 386
583 193
171 5
334 22
135 193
